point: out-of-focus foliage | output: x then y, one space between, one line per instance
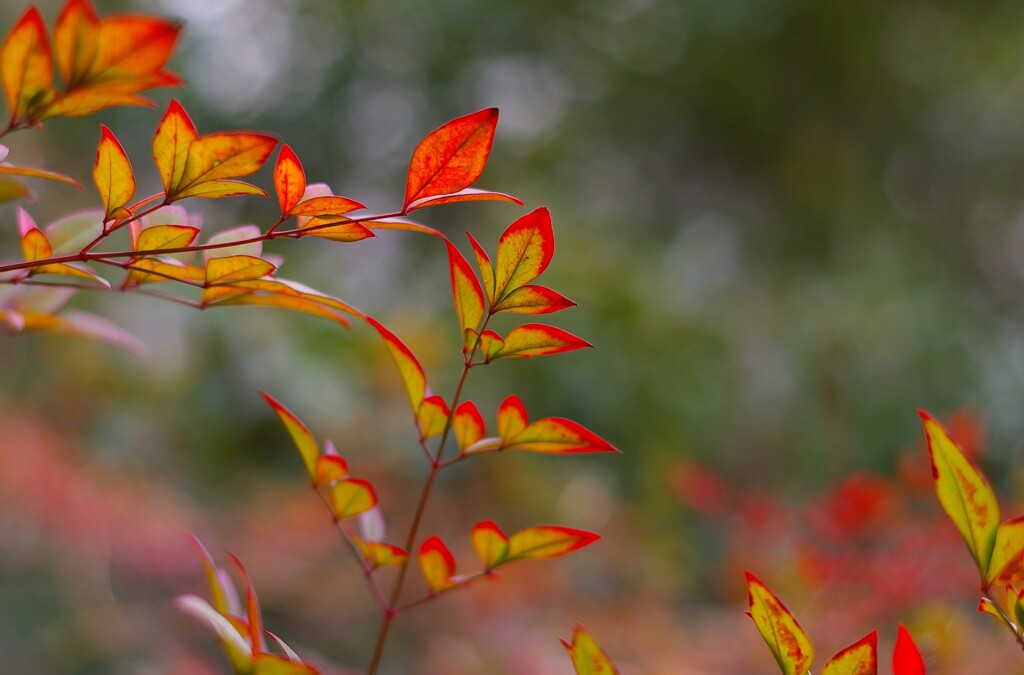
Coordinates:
789 226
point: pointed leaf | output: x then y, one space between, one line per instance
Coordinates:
34 245
133 50
234 643
8 170
304 441
93 98
547 541
26 66
345 231
76 40
906 659
289 179
272 664
860 658
532 299
174 135
468 425
451 157
1007 564
536 339
490 344
986 606
432 417
400 224
152 270
73 270
213 578
252 608
351 497
785 638
234 268
218 189
330 468
490 544
467 195
556 435
964 493
325 206
437 564
483 263
291 302
466 291
587 656
409 368
524 252
113 173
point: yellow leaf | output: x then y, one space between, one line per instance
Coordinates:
587 656
785 638
113 173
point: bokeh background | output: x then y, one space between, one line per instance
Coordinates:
787 225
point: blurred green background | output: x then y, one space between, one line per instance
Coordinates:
787 225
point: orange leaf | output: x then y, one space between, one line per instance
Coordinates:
351 497
860 658
468 296
437 564
451 157
331 228
409 368
964 493
785 638
214 158
906 660
432 417
524 252
133 50
76 40
295 303
468 425
325 206
536 339
304 441
547 541
587 656
165 236
330 468
89 99
289 179
71 269
7 169
1007 564
512 418
174 135
113 173
531 299
467 195
26 66
490 544
401 224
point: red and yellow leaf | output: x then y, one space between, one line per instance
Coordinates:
483 263
151 270
133 50
524 252
76 40
1007 564
467 195
556 435
26 66
587 656
73 270
161 237
512 418
532 299
964 493
468 425
860 658
214 159
8 170
409 368
537 339
308 448
254 619
379 554
906 659
174 135
351 497
89 99
34 244
490 344
467 293
437 564
294 303
325 206
432 416
547 541
213 577
330 468
113 173
289 179
218 189
401 224
235 268
451 157
490 544
785 638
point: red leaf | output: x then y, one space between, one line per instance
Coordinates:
289 180
451 157
906 659
437 564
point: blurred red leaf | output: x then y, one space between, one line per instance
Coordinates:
906 659
26 66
